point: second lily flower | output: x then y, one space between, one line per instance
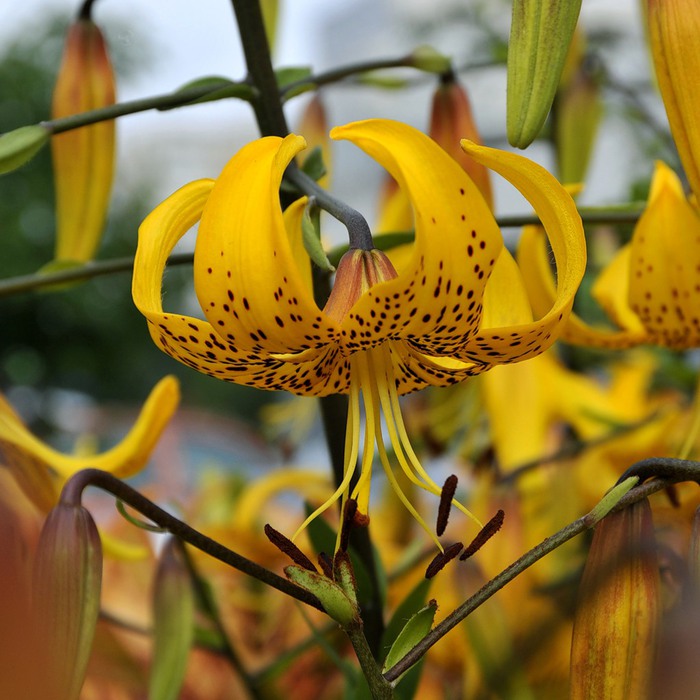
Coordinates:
382 333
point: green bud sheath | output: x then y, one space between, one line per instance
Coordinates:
173 625
540 34
334 600
66 588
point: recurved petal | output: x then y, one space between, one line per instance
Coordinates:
41 471
541 288
436 300
198 344
562 224
245 274
664 287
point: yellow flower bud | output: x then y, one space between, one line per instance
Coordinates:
616 621
674 26
83 158
451 121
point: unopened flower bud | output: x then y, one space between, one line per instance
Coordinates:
540 35
173 624
616 621
66 595
451 120
674 26
579 110
427 59
332 597
83 158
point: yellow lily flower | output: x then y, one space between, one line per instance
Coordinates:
380 335
650 289
41 471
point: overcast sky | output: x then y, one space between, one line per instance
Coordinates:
195 38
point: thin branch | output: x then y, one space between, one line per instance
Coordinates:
179 98
25 283
72 493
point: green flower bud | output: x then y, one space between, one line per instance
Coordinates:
173 624
334 600
540 34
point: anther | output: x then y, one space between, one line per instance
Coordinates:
286 546
484 535
446 496
326 564
442 559
349 512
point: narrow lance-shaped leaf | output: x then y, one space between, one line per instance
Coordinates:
173 624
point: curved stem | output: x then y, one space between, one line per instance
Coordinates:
359 233
85 11
72 494
673 471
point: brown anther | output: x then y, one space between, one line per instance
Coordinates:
326 564
442 559
484 535
286 546
349 513
446 496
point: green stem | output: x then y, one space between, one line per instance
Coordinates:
674 471
72 494
379 686
179 98
25 283
251 28
337 74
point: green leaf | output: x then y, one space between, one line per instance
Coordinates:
408 607
221 88
292 74
312 243
314 166
173 627
413 631
386 82
20 146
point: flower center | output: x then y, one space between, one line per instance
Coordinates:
358 270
